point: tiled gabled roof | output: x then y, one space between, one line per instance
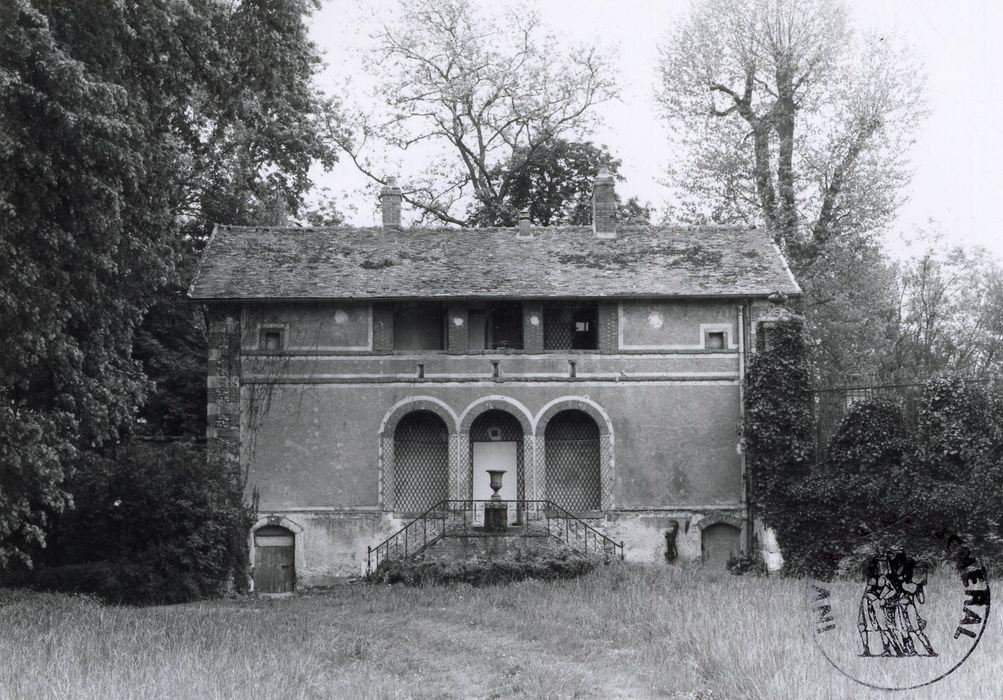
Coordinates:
243 262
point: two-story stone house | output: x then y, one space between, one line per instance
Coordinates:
359 375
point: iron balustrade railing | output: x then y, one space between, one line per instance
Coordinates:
431 526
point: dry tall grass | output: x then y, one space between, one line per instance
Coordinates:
627 631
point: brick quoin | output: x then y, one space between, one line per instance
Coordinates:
223 383
609 326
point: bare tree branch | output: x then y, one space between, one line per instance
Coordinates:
489 93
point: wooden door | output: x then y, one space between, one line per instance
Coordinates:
720 541
274 561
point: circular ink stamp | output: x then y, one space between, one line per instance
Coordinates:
901 624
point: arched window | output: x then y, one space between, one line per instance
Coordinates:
421 462
571 448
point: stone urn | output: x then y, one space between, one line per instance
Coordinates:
496 482
496 512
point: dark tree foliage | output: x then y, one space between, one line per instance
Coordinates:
249 148
125 128
153 523
954 472
82 246
554 183
171 345
855 493
884 486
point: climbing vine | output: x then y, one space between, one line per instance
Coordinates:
777 428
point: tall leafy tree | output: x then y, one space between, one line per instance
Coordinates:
791 120
124 129
253 126
77 260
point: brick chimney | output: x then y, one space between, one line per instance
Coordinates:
604 205
390 202
525 231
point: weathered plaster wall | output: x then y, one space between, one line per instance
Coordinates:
311 420
652 325
311 327
318 445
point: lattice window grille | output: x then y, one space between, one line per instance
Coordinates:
572 455
421 462
558 327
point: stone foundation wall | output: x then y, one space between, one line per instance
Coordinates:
332 546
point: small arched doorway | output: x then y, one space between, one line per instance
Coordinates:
496 444
571 455
274 559
719 542
421 462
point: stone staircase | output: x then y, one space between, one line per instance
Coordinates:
454 529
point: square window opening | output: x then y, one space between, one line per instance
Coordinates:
716 340
270 340
419 326
495 326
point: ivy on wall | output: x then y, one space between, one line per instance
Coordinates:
777 427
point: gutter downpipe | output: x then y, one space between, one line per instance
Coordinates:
749 531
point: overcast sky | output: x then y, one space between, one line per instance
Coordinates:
958 155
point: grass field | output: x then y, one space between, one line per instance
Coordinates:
624 631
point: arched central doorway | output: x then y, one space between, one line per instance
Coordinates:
496 444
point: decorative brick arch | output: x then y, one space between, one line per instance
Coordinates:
607 461
388 427
464 462
299 559
418 403
501 403
581 403
721 518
